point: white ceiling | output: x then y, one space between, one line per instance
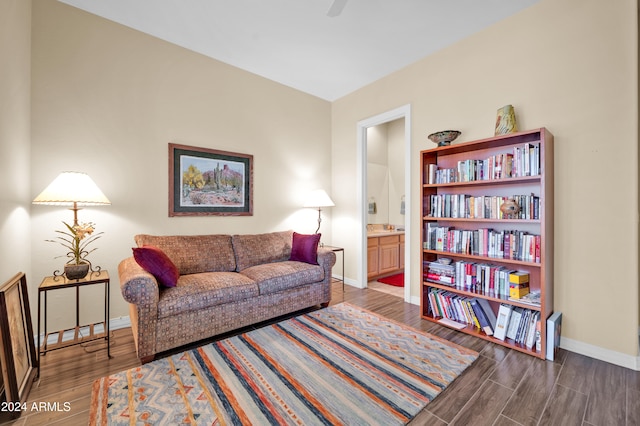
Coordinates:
295 43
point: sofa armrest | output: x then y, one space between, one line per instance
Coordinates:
326 259
326 256
137 285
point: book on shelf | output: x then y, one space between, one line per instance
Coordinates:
441 279
451 323
533 298
488 311
432 173
502 321
482 317
514 323
533 325
554 325
523 327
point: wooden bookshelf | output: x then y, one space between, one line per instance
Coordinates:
537 182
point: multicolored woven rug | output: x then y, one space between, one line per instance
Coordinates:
339 365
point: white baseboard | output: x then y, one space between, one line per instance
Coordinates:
349 281
120 322
617 358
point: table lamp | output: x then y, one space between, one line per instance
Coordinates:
74 189
318 199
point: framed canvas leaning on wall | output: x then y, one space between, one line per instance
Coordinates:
17 348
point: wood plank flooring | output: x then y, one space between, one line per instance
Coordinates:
502 388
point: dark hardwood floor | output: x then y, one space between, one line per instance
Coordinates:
502 387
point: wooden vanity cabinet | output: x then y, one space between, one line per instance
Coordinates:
385 255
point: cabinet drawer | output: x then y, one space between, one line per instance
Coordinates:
390 239
372 242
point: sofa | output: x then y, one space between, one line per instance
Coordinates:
220 283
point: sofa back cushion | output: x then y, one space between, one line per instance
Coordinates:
193 254
258 249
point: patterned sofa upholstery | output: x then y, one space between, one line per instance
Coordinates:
226 282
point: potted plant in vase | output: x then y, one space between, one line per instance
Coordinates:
76 239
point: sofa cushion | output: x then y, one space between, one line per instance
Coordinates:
157 263
193 254
201 291
274 277
252 250
304 248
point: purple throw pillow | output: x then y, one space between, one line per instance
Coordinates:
305 248
157 263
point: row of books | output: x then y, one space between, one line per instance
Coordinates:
486 242
487 279
440 273
491 280
473 311
522 161
520 325
481 207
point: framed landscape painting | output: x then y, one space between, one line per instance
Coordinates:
206 181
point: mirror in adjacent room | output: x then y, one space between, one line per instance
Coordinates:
385 175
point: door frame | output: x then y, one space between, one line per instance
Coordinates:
362 126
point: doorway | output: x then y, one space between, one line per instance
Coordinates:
403 112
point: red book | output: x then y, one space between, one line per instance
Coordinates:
438 277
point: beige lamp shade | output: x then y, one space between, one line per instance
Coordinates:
318 198
72 188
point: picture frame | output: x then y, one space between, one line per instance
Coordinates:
18 356
205 181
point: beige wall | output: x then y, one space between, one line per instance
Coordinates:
107 100
15 97
567 65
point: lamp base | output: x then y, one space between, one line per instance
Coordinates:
319 220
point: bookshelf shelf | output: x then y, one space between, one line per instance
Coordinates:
470 293
465 219
490 182
487 259
502 166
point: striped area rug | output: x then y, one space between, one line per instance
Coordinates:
339 365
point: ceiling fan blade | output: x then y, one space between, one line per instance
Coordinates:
336 8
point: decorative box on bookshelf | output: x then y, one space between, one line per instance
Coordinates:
497 280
